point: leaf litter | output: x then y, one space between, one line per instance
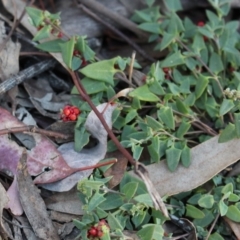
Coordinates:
203 167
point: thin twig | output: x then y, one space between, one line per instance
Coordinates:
123 36
15 224
212 226
131 67
34 129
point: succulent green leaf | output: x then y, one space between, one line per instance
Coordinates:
36 16
113 222
202 83
194 212
154 149
67 51
216 236
183 128
216 64
129 189
167 39
165 114
42 33
95 201
173 156
84 49
233 213
151 232
101 71
81 138
173 60
223 208
228 133
51 46
186 156
144 94
237 124
137 151
206 201
173 5
226 106
152 27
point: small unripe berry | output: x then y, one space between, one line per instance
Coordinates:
201 23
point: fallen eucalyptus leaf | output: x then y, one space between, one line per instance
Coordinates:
207 159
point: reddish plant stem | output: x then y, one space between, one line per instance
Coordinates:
97 165
33 129
84 95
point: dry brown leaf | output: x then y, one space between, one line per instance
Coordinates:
117 170
33 204
3 203
208 159
65 202
234 226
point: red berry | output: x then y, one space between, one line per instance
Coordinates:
66 111
72 117
93 232
100 234
166 69
39 27
201 23
76 110
76 53
84 62
60 35
144 78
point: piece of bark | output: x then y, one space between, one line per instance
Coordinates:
33 204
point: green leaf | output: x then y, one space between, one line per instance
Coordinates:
137 151
36 15
152 27
215 63
156 88
173 5
166 40
67 51
228 133
226 106
153 123
181 107
173 60
151 232
42 33
95 201
51 46
206 221
194 212
165 114
223 208
131 115
129 189
143 93
154 149
137 219
227 188
233 213
81 138
84 49
150 2
237 124
113 201
93 86
183 128
198 43
101 71
216 236
173 156
113 222
144 198
206 201
201 85
233 197
186 156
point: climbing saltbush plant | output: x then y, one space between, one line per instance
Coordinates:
184 99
